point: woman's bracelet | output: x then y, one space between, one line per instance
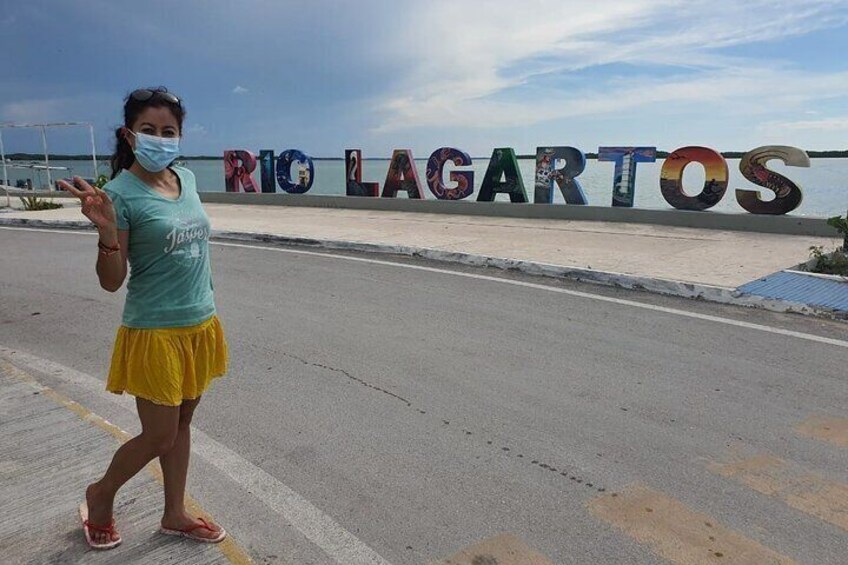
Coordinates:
106 249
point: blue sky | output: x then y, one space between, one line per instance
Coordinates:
323 76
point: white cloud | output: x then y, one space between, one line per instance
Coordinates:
196 130
34 110
472 72
828 124
495 70
731 92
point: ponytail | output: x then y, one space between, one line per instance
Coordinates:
124 156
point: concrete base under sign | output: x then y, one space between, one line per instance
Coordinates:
787 225
784 225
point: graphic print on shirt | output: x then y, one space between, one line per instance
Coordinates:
184 241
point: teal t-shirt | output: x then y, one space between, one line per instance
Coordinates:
170 275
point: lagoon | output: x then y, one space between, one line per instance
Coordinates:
824 183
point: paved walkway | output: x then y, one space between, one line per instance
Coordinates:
707 257
51 448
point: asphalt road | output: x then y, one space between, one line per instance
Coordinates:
396 411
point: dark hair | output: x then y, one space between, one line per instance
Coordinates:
123 158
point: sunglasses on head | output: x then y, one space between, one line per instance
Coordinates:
145 94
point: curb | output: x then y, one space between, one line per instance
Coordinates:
655 285
47 224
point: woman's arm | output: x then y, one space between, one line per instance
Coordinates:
112 267
98 207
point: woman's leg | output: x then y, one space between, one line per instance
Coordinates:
159 426
175 470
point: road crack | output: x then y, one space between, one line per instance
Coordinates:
348 375
573 476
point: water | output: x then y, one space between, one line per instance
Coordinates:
824 183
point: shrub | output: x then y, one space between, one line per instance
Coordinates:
835 263
841 225
34 203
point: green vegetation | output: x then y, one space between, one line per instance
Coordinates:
835 263
841 225
32 203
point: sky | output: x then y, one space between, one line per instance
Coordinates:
323 76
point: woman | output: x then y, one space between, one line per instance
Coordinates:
171 343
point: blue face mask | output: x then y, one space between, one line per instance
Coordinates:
155 153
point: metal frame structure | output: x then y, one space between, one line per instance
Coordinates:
43 128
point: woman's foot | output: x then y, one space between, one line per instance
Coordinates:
100 514
196 528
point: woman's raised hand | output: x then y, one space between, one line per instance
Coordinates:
96 204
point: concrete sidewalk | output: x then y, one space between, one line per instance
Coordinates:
705 257
50 449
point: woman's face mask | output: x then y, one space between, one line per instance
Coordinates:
155 153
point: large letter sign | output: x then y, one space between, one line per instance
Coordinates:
353 171
305 171
435 174
556 167
547 174
624 178
715 184
238 164
502 164
787 194
266 170
402 175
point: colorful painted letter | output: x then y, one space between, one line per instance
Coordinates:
502 164
715 184
238 164
787 194
353 168
624 178
435 174
305 171
266 170
402 175
547 174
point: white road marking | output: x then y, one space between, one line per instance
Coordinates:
587 295
576 293
318 527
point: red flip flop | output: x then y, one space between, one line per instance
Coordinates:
88 527
189 532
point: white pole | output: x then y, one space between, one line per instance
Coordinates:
5 174
3 157
93 150
46 157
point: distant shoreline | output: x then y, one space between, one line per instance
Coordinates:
830 154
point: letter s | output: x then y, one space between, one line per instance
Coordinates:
787 194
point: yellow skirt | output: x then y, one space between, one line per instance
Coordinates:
168 365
